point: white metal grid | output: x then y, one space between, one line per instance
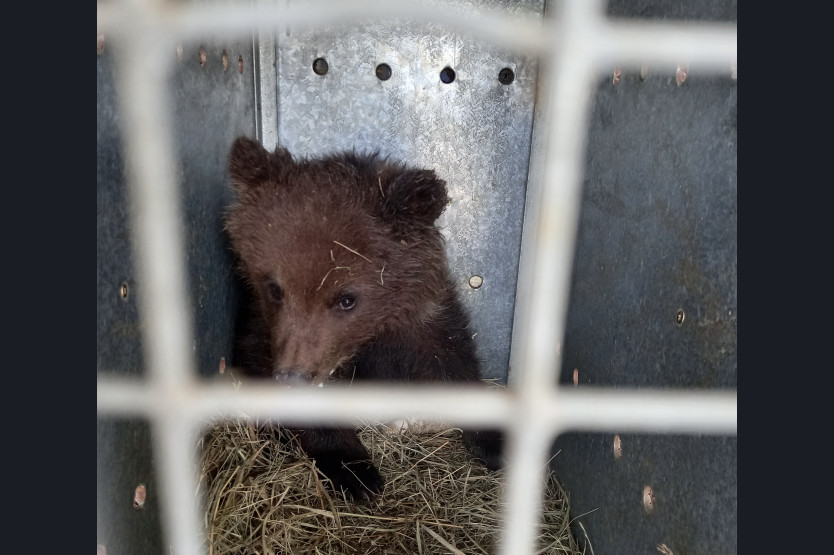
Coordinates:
578 42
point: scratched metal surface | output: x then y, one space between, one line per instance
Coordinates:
474 132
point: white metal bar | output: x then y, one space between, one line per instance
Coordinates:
587 408
635 42
570 70
711 45
156 225
266 84
157 231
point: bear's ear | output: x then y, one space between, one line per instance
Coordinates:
251 165
417 196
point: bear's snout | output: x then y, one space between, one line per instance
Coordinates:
292 376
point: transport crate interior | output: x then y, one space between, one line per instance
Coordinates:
591 237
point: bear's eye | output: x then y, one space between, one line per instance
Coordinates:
273 291
347 301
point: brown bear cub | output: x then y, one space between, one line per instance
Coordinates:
349 281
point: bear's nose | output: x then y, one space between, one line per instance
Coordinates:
291 376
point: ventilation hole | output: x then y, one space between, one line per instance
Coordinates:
679 317
475 282
576 376
447 75
383 72
139 496
202 57
506 76
222 364
99 43
617 73
320 66
123 291
644 72
240 64
225 61
618 447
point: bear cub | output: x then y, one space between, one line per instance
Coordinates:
349 281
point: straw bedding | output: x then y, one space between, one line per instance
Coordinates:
263 496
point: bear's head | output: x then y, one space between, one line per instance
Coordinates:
337 250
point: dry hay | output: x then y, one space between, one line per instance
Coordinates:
264 496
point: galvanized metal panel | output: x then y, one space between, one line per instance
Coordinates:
475 132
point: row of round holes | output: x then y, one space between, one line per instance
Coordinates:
383 72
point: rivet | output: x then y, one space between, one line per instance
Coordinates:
475 282
618 447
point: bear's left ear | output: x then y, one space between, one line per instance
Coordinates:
417 196
251 165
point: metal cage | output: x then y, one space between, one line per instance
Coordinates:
574 45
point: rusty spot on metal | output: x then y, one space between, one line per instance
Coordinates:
139 496
681 73
649 501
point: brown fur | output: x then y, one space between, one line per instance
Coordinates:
349 278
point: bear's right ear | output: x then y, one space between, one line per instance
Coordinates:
414 196
251 165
